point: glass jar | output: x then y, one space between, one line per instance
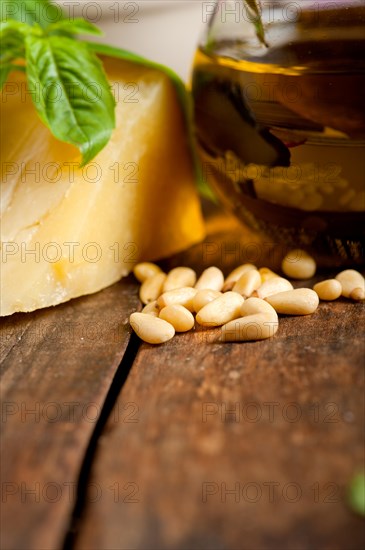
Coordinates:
280 120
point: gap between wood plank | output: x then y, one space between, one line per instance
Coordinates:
116 387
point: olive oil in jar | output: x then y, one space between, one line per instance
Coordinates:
292 136
280 123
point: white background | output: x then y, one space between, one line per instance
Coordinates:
166 31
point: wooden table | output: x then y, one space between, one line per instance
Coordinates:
108 443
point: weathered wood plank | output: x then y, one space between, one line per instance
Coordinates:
172 451
57 367
287 451
271 474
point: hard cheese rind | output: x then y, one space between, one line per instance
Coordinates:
67 231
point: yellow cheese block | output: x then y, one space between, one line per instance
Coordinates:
67 231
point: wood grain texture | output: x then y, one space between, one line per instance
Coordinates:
57 366
174 468
189 474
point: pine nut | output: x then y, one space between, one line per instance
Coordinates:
145 270
358 294
273 286
328 290
235 275
151 288
221 310
170 299
256 305
178 316
183 296
203 297
297 264
179 277
301 301
258 326
211 278
350 280
266 274
151 309
247 283
151 329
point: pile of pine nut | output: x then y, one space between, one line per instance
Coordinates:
245 305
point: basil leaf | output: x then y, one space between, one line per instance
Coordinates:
260 31
62 74
42 12
10 27
4 71
74 26
12 46
356 494
253 5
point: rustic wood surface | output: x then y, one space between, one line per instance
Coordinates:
208 446
57 366
192 475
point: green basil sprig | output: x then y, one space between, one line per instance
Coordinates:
32 11
66 79
356 493
259 27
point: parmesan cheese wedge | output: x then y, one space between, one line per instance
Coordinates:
68 231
